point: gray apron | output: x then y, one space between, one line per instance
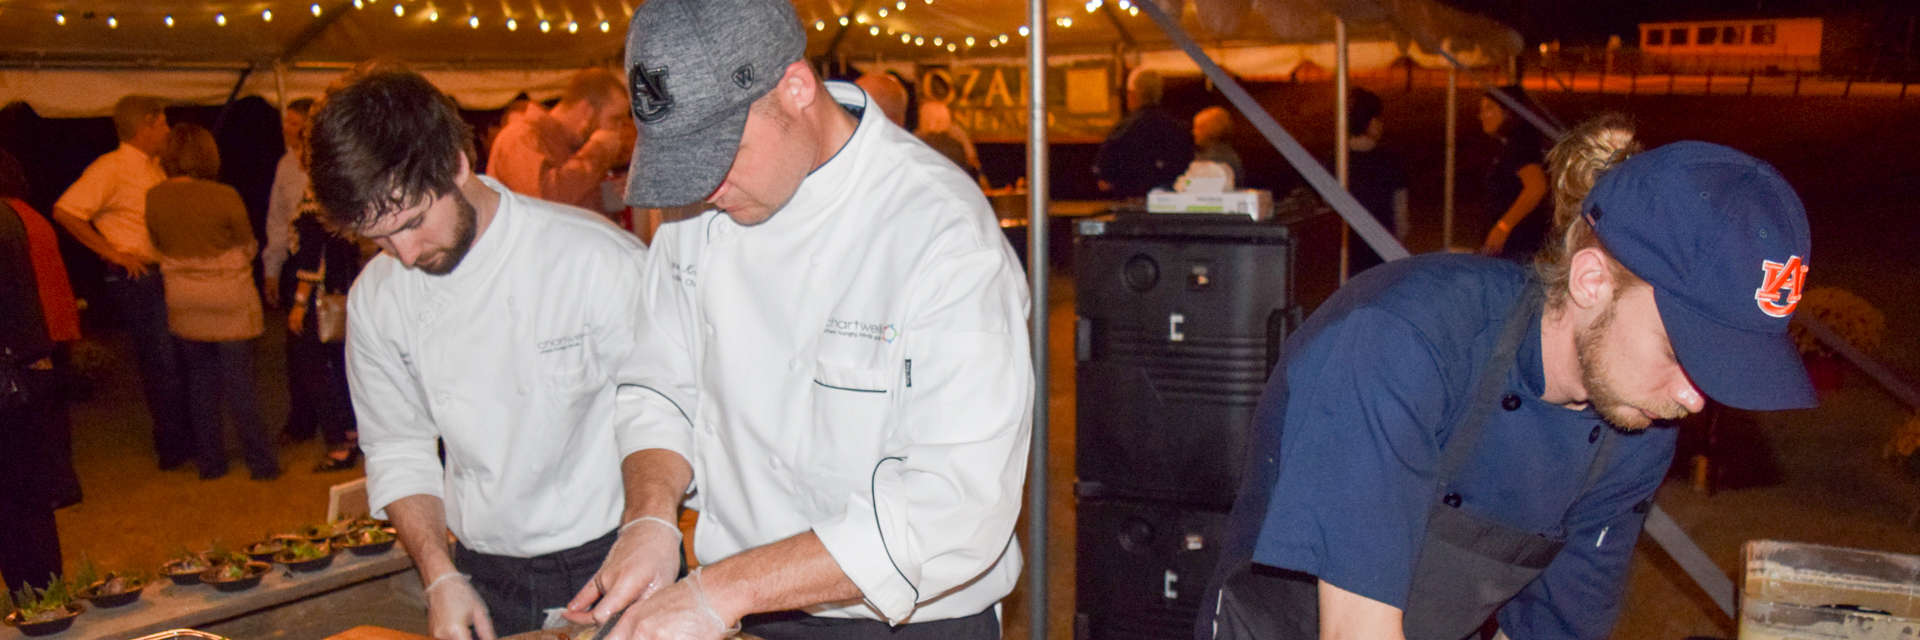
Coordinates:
1468 565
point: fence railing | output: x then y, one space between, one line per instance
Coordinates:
1631 81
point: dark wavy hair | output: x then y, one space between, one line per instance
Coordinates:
382 143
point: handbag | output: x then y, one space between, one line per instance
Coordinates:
330 311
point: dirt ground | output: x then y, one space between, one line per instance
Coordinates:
1813 476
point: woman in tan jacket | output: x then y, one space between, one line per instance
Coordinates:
206 251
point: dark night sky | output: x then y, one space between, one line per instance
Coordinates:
1591 21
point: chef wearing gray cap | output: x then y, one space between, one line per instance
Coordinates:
843 337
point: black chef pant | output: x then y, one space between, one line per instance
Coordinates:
794 625
519 591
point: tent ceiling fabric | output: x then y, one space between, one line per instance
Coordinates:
133 37
871 34
139 34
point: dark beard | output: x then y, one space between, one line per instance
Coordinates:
1601 396
1593 375
445 260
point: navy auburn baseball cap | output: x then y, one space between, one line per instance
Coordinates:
1723 240
694 67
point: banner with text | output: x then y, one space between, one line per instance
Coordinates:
990 101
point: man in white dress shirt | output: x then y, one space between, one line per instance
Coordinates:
844 339
504 327
106 210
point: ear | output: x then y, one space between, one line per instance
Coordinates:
1590 278
798 88
465 174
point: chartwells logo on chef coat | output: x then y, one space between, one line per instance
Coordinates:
561 344
856 329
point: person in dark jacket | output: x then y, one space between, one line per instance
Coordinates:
30 467
1149 148
323 263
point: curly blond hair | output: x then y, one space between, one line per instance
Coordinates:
1578 158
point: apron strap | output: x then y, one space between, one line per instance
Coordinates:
1493 376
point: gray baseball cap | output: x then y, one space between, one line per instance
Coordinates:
694 67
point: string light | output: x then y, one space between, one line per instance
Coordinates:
862 18
545 27
60 18
1093 5
473 21
220 19
358 4
883 12
573 27
950 47
266 15
399 10
900 6
906 38
969 41
112 22
314 9
1125 4
1133 11
873 31
936 42
1064 22
843 21
605 26
919 41
168 20
819 25
513 25
993 43
1023 31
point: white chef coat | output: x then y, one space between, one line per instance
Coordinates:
857 365
112 194
515 360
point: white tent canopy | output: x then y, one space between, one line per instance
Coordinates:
73 58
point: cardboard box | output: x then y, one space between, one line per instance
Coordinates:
1815 592
1253 203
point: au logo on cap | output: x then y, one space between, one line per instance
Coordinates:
1779 290
651 102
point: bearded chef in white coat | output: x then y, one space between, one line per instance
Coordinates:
844 336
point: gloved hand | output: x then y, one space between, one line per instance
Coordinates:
453 608
681 612
643 560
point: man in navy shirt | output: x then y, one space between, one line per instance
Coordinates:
1452 438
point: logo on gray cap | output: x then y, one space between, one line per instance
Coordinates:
650 99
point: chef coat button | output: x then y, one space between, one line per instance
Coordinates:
1593 436
1510 403
814 260
1452 500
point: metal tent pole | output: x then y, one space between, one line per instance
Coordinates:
1341 154
1037 316
1453 145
